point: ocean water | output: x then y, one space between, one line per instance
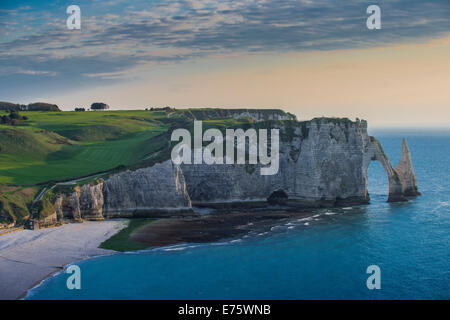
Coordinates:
324 257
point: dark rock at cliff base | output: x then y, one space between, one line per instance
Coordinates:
209 228
397 198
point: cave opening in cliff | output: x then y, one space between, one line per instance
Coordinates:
278 197
377 182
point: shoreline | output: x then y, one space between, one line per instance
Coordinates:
156 235
26 294
28 258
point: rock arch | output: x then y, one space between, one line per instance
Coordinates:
402 180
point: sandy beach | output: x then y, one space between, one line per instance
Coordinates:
27 257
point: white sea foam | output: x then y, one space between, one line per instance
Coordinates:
441 204
220 243
330 213
178 248
227 243
175 247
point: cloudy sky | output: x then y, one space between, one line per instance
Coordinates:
309 57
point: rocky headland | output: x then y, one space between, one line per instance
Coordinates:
323 163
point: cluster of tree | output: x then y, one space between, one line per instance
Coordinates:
167 109
94 106
37 106
13 118
99 106
42 106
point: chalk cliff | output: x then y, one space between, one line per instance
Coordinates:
155 191
158 189
323 162
406 173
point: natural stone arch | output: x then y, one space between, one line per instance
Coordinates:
402 181
375 152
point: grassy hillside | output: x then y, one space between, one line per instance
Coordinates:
14 202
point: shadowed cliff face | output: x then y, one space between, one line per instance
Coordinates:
323 162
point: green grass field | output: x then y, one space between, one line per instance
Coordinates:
122 242
64 145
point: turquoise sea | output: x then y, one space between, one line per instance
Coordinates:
324 257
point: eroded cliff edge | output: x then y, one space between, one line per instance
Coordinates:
323 162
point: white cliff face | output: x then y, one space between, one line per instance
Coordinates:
160 188
323 162
86 202
320 164
149 191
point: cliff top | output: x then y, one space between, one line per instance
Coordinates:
218 113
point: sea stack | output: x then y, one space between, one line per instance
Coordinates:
406 173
